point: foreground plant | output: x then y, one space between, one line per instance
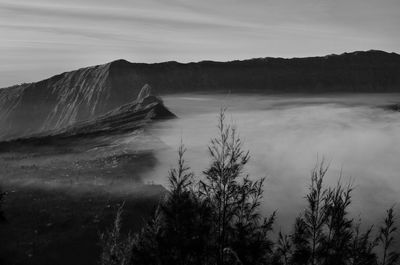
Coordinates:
387 240
217 220
339 234
362 247
179 232
235 200
116 250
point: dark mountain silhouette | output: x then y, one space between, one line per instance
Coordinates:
370 71
88 93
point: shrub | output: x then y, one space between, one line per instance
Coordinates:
116 250
179 232
217 220
235 199
386 238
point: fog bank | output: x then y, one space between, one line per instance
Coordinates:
286 135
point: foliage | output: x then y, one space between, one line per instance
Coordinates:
338 239
362 248
325 234
180 230
216 220
116 250
235 199
283 250
386 238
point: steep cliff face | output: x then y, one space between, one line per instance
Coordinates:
61 101
87 93
128 117
124 119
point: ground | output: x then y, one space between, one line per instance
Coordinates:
62 226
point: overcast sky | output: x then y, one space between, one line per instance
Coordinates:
40 38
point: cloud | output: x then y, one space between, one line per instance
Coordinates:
97 31
119 14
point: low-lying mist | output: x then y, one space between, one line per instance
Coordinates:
286 135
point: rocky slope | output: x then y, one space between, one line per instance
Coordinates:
62 101
126 118
87 93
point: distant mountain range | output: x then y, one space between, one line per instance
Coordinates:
88 93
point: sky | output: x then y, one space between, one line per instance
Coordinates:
41 38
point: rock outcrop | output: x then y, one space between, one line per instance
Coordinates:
62 101
124 119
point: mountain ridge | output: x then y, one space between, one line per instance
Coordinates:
359 71
121 60
86 93
371 51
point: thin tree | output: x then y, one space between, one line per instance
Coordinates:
249 235
180 229
146 248
362 247
116 250
235 199
283 251
301 246
337 243
221 184
315 215
386 239
186 217
180 178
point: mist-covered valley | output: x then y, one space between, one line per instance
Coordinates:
76 147
199 132
285 134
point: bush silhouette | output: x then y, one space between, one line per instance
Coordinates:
216 220
180 229
238 227
116 250
386 238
